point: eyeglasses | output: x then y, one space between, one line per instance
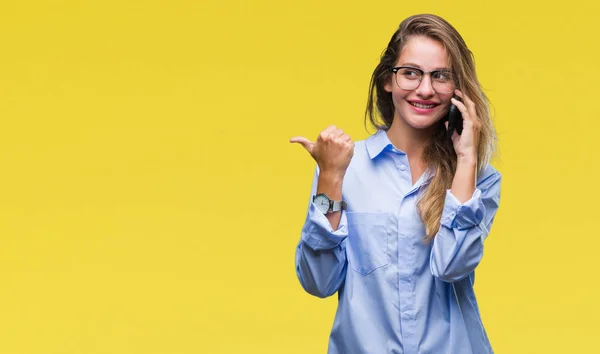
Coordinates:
409 78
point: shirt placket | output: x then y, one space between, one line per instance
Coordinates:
406 256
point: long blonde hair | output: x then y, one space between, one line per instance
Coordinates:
439 155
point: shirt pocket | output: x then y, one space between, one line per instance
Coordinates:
367 241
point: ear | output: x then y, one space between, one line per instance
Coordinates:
388 87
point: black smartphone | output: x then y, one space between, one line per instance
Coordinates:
455 121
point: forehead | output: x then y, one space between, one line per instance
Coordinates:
423 52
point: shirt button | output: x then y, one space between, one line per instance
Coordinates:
402 167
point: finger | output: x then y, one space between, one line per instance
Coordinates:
337 133
466 114
349 145
467 102
307 144
345 138
455 137
325 133
330 129
461 106
464 97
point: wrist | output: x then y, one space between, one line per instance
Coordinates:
468 160
330 184
331 177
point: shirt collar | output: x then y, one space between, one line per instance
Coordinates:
378 142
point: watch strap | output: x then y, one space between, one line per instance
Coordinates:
337 206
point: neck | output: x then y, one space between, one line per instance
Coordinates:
408 139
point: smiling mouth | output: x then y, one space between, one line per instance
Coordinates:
420 105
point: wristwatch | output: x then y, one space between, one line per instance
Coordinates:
326 205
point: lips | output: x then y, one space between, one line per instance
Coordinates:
423 108
423 105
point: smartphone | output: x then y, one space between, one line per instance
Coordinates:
455 120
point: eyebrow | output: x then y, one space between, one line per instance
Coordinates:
419 67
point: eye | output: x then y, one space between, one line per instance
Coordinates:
443 76
410 73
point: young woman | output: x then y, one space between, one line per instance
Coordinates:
397 222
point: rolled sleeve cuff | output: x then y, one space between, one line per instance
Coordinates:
461 216
318 233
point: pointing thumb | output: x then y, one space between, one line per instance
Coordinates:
308 145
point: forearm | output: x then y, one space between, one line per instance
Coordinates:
463 184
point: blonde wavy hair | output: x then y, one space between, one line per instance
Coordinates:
439 155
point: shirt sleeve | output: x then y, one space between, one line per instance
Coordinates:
321 254
317 232
463 216
458 246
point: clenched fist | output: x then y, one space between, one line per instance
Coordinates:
332 150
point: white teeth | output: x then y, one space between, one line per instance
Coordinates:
419 105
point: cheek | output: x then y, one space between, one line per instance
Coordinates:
445 107
399 98
446 99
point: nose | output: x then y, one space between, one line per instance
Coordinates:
425 88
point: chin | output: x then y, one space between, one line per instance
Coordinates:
421 122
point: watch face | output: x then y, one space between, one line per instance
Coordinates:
322 203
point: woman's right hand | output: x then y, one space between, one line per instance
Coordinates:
332 150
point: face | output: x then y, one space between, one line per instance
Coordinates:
422 107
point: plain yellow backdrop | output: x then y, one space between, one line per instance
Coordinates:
150 201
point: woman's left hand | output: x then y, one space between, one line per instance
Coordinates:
465 144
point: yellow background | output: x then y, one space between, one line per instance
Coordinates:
150 201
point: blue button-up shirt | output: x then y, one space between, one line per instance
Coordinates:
396 293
